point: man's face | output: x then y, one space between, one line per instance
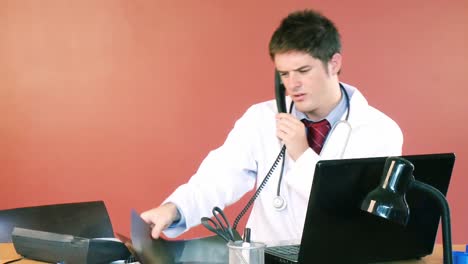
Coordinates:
313 88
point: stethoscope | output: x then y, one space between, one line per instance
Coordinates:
279 203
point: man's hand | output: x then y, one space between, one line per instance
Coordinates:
160 218
292 133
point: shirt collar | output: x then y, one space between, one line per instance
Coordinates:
333 117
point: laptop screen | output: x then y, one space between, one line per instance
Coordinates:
336 229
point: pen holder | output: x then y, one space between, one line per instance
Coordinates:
246 253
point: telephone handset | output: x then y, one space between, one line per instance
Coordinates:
281 104
280 94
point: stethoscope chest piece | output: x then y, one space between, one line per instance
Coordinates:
279 203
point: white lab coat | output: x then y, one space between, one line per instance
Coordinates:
249 151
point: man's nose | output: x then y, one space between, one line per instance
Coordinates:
293 81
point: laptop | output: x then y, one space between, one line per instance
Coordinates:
336 230
83 219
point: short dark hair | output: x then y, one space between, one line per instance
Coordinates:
307 31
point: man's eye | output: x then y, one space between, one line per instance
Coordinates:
304 70
283 74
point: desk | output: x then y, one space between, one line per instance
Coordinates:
7 252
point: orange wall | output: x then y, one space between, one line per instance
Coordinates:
121 100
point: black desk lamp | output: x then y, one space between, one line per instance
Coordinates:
388 199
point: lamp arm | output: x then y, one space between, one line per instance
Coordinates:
445 214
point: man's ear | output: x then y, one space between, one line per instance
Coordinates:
334 65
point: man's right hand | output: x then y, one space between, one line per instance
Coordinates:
292 133
160 218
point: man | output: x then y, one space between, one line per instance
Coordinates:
305 49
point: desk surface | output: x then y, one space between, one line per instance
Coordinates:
7 252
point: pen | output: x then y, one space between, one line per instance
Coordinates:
246 245
246 238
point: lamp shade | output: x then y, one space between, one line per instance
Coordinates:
388 200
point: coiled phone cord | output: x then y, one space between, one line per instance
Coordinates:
265 180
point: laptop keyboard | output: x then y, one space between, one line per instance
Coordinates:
289 251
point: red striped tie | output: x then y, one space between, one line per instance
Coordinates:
316 133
